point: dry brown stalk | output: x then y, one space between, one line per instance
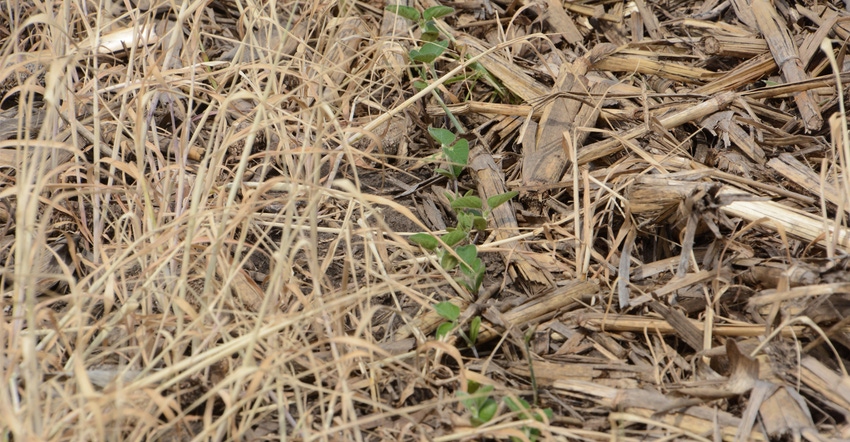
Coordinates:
731 46
787 57
614 143
646 64
491 183
640 324
546 162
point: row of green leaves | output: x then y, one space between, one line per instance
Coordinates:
456 248
471 213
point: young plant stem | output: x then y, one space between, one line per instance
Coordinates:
449 114
525 341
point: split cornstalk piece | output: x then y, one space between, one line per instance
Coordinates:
658 198
787 58
546 163
775 216
827 382
650 408
798 173
546 306
491 182
650 65
619 323
561 22
733 46
613 144
742 74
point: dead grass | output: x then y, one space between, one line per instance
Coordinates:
205 212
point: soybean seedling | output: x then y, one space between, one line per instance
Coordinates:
482 408
451 313
471 212
430 49
524 409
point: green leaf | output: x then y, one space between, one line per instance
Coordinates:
447 260
479 223
539 416
479 277
458 152
477 396
468 254
416 55
474 328
430 32
464 220
447 310
437 12
405 11
425 240
429 51
443 136
445 173
497 200
467 202
419 84
458 155
467 401
522 406
473 273
454 237
484 389
444 329
488 410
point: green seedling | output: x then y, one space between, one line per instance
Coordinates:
426 22
456 248
471 212
430 49
478 402
455 150
451 313
482 408
525 411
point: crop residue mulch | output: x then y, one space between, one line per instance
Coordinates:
207 206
